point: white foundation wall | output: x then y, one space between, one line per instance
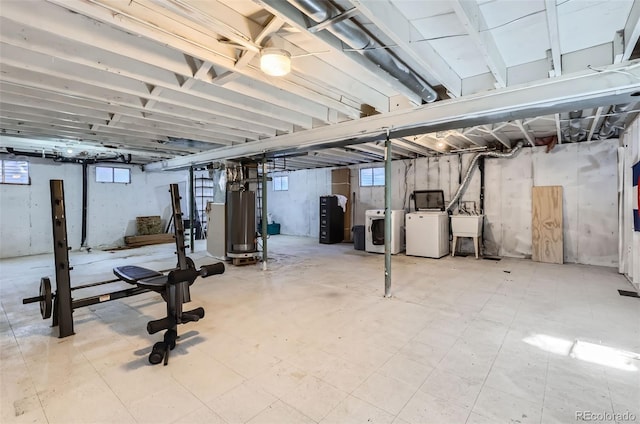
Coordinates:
587 172
588 175
297 209
437 173
25 210
113 208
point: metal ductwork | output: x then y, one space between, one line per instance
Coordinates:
615 121
472 167
575 132
356 37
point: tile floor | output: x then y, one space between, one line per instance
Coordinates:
313 340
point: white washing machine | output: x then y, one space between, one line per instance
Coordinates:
428 234
374 236
428 227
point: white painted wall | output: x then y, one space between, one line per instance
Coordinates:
629 239
587 172
113 208
25 211
297 209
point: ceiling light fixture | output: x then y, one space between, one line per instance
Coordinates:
275 62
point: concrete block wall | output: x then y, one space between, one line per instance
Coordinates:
25 210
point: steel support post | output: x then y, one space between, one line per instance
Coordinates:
387 217
264 231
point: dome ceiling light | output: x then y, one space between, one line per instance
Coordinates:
275 62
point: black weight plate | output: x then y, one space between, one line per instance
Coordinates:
190 263
46 298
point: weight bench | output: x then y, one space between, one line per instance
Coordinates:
171 287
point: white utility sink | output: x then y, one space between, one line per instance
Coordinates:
466 225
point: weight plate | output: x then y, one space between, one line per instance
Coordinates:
45 298
190 263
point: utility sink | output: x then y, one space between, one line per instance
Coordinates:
466 225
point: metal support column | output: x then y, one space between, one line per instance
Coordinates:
192 203
62 309
264 230
387 217
85 189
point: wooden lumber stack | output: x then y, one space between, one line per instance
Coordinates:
145 240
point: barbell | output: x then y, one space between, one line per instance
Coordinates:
45 298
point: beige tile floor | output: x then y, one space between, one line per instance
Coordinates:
313 340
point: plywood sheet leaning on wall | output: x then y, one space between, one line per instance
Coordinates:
547 225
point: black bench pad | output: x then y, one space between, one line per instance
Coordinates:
133 274
157 283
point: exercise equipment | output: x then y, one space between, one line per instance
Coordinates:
169 286
173 287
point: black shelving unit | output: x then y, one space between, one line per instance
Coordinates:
331 220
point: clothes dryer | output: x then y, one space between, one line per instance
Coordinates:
374 237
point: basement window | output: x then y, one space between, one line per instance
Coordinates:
109 174
370 177
15 172
281 183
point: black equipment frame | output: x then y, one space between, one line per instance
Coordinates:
63 303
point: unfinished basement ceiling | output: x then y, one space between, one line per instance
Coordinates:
178 82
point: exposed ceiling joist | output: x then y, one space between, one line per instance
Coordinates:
412 147
612 85
503 139
213 15
274 24
293 16
558 128
399 29
474 22
594 123
551 10
525 132
631 30
210 50
159 76
471 138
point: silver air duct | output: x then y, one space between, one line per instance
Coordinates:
350 33
575 131
615 121
472 167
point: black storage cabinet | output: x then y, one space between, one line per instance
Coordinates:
331 220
